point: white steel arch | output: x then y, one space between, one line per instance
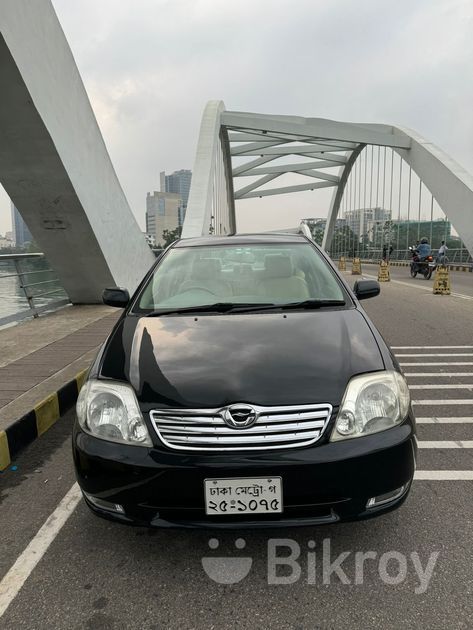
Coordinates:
211 205
260 145
54 164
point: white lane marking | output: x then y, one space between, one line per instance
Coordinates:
443 354
466 401
444 420
442 386
415 286
423 364
25 563
431 347
445 444
462 295
436 374
444 475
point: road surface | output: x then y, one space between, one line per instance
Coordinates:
94 574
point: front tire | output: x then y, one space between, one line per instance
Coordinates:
413 272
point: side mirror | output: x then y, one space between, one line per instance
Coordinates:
115 296
365 289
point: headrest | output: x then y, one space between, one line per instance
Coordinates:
206 268
246 269
247 257
277 266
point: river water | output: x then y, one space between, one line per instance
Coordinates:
12 296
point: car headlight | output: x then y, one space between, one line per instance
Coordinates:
372 402
110 411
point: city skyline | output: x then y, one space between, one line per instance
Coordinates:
166 208
20 231
178 182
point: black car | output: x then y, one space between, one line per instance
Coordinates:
244 385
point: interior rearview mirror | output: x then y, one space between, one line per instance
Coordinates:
365 289
115 296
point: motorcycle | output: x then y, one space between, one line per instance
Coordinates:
425 266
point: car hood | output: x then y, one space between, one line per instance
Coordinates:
260 358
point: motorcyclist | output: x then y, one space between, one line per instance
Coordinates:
423 248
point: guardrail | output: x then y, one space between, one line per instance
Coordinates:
27 279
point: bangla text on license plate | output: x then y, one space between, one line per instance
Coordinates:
250 495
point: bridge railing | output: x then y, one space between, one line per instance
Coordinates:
458 256
28 287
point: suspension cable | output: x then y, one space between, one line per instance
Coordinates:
420 201
363 210
371 179
360 242
399 201
377 177
431 216
409 204
384 174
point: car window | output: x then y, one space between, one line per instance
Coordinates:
254 273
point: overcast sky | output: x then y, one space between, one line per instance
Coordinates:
149 67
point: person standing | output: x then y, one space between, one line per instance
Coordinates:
442 254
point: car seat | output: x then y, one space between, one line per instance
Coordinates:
205 274
279 280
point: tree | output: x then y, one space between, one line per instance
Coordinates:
317 234
345 241
32 247
169 236
388 228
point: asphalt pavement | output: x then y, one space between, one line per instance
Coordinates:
416 570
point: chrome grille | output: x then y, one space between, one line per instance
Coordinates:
206 430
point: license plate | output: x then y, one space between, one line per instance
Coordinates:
432 264
248 495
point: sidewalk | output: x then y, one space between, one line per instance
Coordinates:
42 362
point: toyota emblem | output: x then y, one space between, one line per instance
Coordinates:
240 416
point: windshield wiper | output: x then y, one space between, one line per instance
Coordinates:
314 304
305 304
218 307
242 307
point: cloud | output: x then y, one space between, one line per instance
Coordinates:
150 66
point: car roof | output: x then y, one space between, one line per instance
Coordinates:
242 239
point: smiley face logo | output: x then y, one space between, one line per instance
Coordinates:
224 569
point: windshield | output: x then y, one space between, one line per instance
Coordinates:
250 274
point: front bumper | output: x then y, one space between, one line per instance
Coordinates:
323 483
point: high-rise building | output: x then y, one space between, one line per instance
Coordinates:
362 221
5 242
21 233
162 213
178 183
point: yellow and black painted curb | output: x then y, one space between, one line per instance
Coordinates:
37 421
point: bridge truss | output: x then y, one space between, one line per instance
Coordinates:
239 147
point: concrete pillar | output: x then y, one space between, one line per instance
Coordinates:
53 161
